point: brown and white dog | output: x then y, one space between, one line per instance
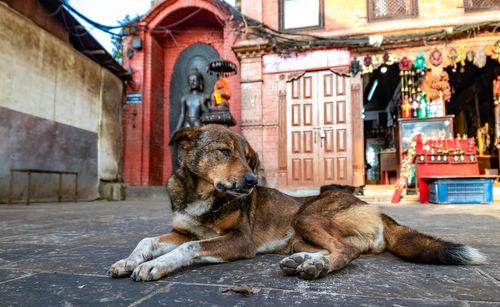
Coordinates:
220 214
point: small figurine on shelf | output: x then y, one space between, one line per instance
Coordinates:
406 108
422 110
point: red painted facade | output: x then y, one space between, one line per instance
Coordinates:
168 29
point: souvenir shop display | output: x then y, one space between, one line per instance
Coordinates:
436 156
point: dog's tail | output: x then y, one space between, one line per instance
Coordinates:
413 246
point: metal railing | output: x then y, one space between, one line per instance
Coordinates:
29 171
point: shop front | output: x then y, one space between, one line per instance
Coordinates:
443 91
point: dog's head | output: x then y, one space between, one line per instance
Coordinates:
219 156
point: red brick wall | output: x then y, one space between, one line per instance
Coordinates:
133 121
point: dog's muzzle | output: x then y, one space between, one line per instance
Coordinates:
243 186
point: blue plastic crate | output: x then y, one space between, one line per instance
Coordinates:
461 191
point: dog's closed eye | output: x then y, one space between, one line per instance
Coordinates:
225 152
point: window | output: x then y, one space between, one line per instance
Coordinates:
301 15
391 9
481 5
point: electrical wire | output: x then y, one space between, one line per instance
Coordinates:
167 27
96 24
285 42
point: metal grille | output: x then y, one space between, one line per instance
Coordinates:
392 9
479 5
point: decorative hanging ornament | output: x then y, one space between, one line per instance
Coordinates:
222 68
436 57
390 58
496 51
405 64
461 55
480 57
386 58
420 62
470 55
367 65
377 59
453 55
354 68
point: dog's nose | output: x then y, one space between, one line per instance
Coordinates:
250 180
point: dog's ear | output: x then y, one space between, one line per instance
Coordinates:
253 161
185 138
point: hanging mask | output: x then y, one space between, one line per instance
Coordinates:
470 56
405 64
480 57
436 57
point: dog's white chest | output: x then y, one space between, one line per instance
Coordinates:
191 224
199 207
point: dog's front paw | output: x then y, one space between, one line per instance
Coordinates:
148 271
122 268
307 265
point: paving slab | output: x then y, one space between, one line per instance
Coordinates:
57 254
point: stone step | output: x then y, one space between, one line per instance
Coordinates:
147 193
372 193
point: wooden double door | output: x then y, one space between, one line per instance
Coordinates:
319 130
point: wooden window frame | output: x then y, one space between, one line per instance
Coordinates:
372 18
321 17
472 9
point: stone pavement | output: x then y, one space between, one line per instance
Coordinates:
57 254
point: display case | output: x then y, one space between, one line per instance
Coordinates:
408 127
373 147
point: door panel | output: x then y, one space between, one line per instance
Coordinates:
296 142
341 140
308 142
308 87
329 148
319 130
341 112
308 114
329 164
328 113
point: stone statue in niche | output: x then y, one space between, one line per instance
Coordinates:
195 103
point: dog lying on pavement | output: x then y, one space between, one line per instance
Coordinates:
220 214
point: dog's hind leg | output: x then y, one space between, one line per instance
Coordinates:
147 249
328 253
301 249
342 225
